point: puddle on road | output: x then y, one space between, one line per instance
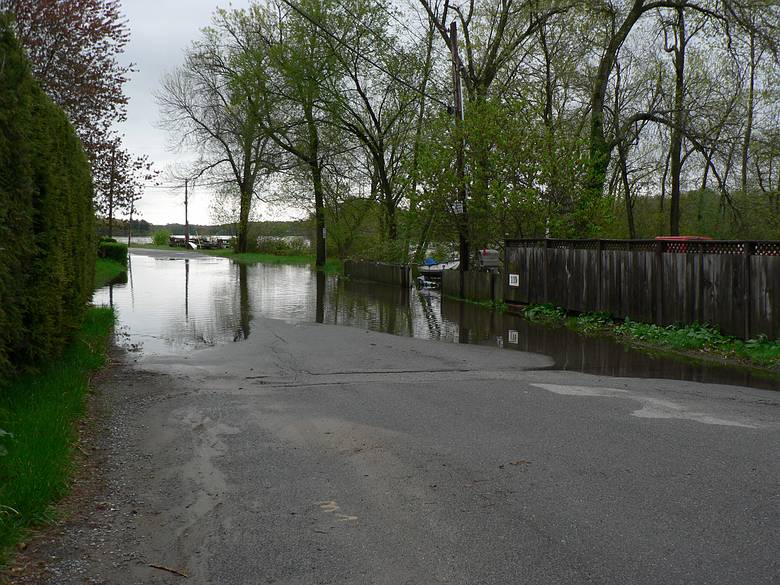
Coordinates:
172 303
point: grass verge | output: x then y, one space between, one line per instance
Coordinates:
333 265
687 339
38 413
107 271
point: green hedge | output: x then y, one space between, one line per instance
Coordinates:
47 241
113 251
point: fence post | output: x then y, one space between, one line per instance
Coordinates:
747 250
599 275
658 284
546 262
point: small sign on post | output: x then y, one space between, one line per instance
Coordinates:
458 207
514 280
513 336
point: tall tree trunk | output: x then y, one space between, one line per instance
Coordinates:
600 150
420 249
111 182
679 122
386 194
627 190
315 167
555 193
319 212
243 217
705 176
750 111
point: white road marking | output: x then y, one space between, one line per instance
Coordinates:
651 407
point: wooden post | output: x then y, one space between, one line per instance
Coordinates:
460 163
186 218
545 269
658 284
599 274
747 251
130 221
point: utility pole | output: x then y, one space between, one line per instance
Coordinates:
130 221
460 163
186 217
111 193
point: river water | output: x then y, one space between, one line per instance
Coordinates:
174 302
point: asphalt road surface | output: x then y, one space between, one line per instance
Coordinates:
314 454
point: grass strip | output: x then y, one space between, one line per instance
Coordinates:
696 337
332 266
38 415
107 271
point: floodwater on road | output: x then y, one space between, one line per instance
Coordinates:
174 302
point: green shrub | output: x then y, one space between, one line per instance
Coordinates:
161 237
47 271
590 322
280 247
113 251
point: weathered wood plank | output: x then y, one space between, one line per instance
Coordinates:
739 293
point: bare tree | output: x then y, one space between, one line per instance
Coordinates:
211 105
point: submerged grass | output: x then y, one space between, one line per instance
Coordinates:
682 338
107 271
332 266
38 415
499 306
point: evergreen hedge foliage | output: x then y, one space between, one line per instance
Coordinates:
47 225
113 251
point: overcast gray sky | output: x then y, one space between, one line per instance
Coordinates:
160 30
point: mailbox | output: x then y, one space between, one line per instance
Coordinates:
488 259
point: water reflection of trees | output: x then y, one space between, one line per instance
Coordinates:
369 306
600 355
321 284
245 315
215 301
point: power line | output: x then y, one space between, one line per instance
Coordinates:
415 35
362 56
374 32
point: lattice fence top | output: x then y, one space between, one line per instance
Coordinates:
732 247
766 248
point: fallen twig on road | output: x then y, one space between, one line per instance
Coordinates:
164 568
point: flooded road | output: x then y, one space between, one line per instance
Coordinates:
239 441
175 302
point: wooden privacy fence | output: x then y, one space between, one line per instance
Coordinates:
733 285
477 285
395 274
